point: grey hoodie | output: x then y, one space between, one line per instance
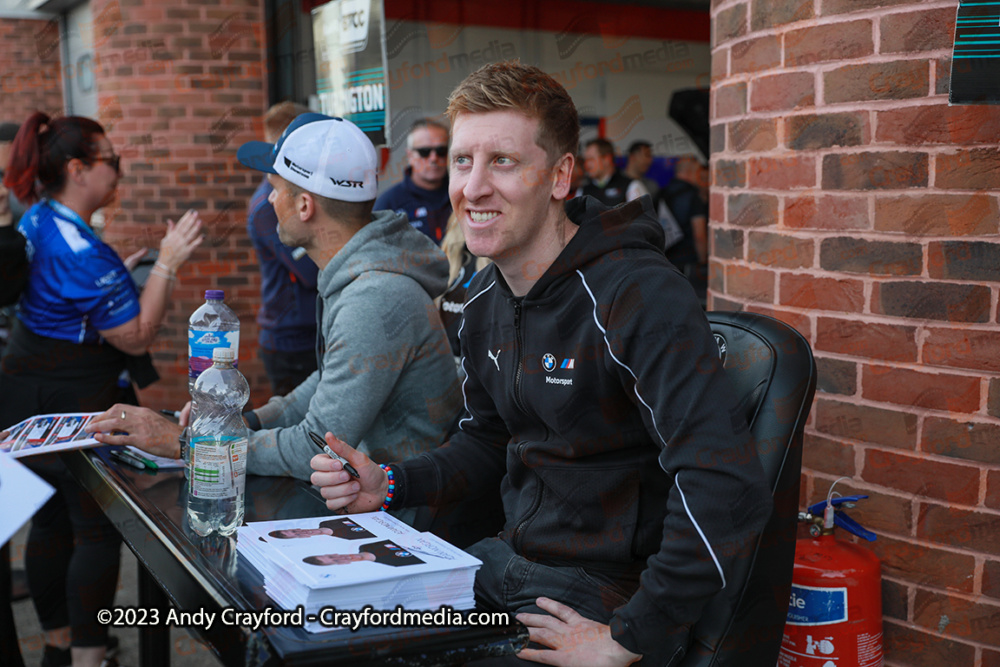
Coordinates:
386 382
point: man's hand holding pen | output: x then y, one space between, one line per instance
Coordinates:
342 490
325 448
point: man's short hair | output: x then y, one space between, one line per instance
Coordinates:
604 147
359 213
638 146
280 116
512 86
422 123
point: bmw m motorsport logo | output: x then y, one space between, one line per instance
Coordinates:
548 362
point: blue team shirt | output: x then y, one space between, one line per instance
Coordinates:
77 283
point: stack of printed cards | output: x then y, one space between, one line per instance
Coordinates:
351 561
42 434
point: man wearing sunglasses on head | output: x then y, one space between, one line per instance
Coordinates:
422 196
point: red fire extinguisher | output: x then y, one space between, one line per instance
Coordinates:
835 607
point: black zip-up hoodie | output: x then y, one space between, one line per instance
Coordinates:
599 401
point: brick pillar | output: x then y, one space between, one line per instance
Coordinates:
181 85
849 200
29 80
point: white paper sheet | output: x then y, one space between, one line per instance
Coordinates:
22 492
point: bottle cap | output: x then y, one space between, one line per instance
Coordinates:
215 294
223 354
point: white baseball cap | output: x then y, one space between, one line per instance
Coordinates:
329 157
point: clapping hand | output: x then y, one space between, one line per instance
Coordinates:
180 241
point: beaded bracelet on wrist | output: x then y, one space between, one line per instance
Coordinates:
392 487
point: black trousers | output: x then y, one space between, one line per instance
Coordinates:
10 652
509 582
72 558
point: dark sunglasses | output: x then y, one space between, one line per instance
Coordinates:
114 161
440 151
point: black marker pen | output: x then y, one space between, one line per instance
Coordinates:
333 455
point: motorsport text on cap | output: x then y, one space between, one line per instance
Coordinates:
326 156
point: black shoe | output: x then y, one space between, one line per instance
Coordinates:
63 657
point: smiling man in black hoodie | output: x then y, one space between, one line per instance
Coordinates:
594 398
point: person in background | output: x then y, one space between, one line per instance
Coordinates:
704 180
681 208
422 196
604 182
81 322
13 261
593 397
462 266
13 278
576 179
13 258
287 316
7 133
640 159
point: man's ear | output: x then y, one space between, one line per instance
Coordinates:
305 206
562 175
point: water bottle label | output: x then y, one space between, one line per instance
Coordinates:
201 343
218 466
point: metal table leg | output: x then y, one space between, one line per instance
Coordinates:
154 640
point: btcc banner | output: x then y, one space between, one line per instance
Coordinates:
975 65
349 38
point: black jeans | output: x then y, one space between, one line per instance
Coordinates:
509 582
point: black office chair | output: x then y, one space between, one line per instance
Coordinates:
774 374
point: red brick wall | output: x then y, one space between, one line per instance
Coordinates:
851 201
181 85
29 78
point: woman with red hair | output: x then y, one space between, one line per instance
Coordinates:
81 323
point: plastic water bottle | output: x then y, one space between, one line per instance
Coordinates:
213 325
218 448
